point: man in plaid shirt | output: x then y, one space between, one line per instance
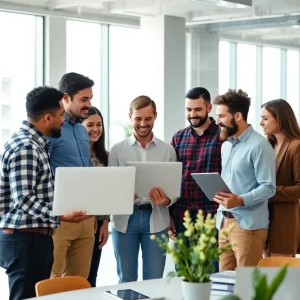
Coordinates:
198 147
26 194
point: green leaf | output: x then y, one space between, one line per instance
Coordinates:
276 282
231 297
261 289
256 276
195 258
171 275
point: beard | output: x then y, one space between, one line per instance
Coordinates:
200 122
232 129
55 133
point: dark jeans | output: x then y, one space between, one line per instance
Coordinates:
181 229
95 257
27 258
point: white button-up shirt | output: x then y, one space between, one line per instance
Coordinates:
156 151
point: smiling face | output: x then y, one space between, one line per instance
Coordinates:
94 127
78 107
268 122
226 120
197 111
143 121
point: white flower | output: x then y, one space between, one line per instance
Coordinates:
213 240
202 256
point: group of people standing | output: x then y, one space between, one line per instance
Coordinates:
63 129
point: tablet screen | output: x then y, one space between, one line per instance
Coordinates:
127 294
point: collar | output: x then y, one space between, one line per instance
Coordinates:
68 119
133 140
35 133
244 136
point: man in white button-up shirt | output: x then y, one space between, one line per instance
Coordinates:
151 215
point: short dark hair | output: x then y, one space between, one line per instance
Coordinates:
236 101
141 102
198 92
72 83
42 100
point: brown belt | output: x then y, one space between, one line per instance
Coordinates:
46 231
228 214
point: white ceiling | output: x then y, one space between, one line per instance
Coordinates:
266 21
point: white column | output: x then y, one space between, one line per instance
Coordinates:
163 60
55 50
204 63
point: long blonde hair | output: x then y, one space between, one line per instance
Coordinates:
283 113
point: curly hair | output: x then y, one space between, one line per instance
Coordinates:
236 101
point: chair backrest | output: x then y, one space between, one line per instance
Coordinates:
60 284
279 261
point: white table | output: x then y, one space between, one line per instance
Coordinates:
156 287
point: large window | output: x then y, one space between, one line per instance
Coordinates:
271 75
224 66
83 52
293 66
21 67
125 78
265 73
246 76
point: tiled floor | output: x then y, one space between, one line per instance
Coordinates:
107 271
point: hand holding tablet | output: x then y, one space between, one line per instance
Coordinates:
211 184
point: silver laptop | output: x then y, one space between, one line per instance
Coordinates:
98 191
210 183
166 175
288 290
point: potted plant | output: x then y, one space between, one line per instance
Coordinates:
193 253
263 290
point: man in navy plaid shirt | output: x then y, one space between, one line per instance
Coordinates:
198 147
26 195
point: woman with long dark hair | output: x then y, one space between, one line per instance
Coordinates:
282 130
99 156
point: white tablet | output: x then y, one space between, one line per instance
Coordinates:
211 184
166 175
97 190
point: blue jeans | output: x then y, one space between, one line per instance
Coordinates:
127 245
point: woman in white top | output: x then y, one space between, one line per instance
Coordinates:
99 156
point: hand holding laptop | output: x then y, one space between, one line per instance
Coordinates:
75 216
158 197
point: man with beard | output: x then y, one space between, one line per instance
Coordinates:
198 147
248 168
151 215
73 243
26 195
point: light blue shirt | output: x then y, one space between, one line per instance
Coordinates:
248 168
72 148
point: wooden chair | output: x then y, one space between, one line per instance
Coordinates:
60 284
279 261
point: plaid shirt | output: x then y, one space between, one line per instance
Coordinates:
26 181
198 154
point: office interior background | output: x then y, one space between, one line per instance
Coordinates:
160 48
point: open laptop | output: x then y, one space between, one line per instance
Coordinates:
288 290
98 191
166 175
